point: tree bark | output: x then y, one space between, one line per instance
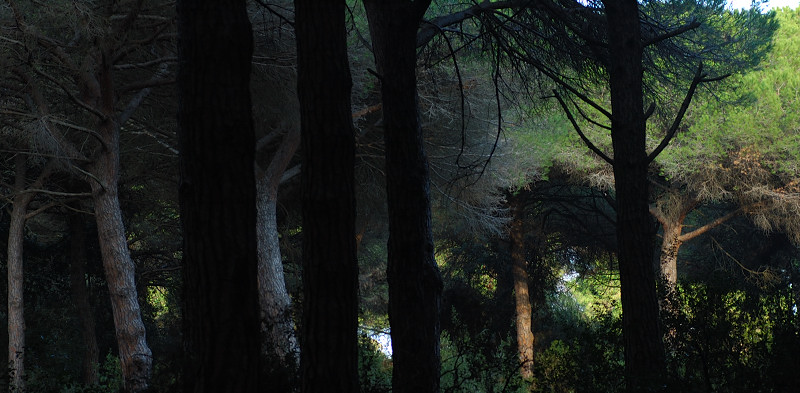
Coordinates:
668 260
415 284
280 343
135 356
16 303
217 196
522 299
80 295
644 350
329 356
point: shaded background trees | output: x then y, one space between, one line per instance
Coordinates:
493 147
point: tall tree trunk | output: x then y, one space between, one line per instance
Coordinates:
16 238
644 350
135 356
329 355
277 328
16 304
522 299
218 197
415 284
80 296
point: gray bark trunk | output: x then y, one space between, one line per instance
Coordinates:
134 354
16 318
277 327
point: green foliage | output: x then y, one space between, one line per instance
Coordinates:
44 381
733 340
582 353
468 367
374 367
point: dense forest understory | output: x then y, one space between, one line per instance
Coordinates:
399 196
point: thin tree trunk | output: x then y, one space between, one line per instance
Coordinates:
16 315
329 357
16 238
277 328
415 284
135 356
80 295
218 198
668 260
644 350
522 299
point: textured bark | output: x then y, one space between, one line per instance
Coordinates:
135 356
218 198
329 359
277 328
80 297
522 299
668 260
16 304
415 284
15 267
644 350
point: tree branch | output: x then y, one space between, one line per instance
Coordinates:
699 77
575 125
705 228
435 25
691 25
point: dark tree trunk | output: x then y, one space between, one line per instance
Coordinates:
644 351
522 299
80 296
415 284
217 197
329 358
16 304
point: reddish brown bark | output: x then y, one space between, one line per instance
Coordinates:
522 299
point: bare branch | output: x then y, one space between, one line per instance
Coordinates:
168 59
691 25
575 125
705 228
71 95
435 25
699 77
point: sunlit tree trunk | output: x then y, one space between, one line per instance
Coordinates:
668 260
218 198
522 299
329 355
415 284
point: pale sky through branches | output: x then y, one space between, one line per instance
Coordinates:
737 4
